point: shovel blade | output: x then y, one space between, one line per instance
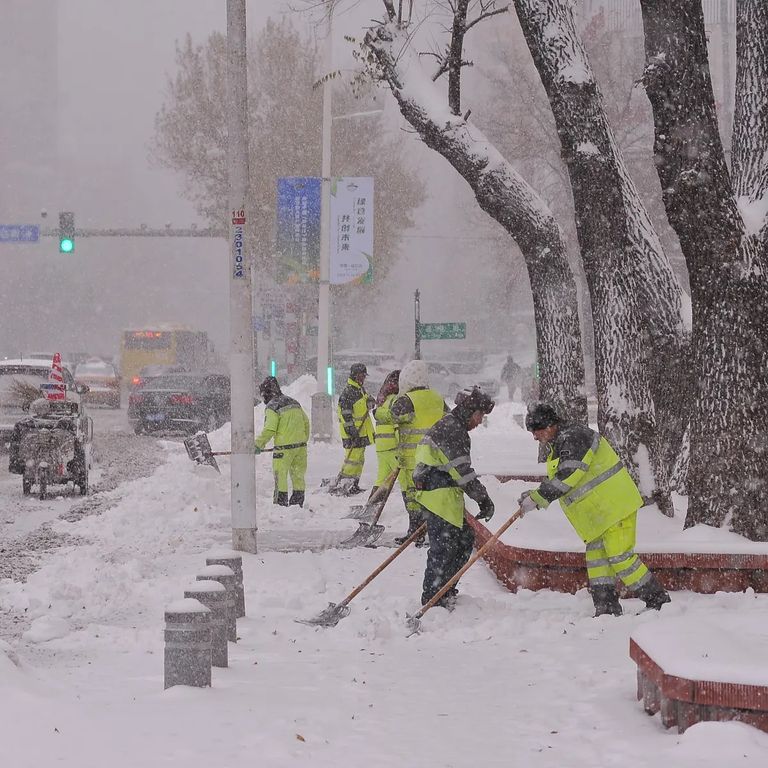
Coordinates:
199 450
413 623
330 617
362 512
365 534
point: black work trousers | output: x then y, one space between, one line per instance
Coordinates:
449 549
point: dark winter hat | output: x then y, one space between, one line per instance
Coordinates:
540 416
269 388
471 400
357 369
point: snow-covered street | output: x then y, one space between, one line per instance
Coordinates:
506 679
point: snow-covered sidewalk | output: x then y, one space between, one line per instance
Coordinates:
527 679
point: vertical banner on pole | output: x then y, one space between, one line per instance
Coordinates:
351 230
298 229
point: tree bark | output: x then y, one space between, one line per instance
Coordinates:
507 198
636 298
729 454
750 120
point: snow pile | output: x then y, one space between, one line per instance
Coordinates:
506 679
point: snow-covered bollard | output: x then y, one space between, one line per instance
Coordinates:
187 644
235 562
214 596
225 576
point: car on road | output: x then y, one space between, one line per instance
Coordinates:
180 402
20 381
102 380
150 371
449 377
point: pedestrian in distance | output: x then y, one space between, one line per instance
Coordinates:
511 375
386 430
415 411
287 424
600 499
356 428
443 474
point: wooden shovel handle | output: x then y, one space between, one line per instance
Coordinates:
389 484
448 584
399 551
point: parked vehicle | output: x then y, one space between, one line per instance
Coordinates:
152 371
51 447
20 382
449 377
184 402
102 380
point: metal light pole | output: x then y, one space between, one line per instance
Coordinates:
417 324
243 483
322 400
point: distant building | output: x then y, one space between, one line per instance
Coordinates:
29 98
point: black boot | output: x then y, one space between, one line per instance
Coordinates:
297 498
653 595
281 498
606 600
355 488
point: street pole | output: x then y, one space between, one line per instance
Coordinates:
417 323
322 400
243 481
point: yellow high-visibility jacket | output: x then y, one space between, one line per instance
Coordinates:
589 480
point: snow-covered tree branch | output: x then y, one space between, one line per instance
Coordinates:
507 198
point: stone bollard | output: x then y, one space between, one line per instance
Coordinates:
225 576
187 644
234 561
214 596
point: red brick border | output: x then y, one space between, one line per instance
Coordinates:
535 569
683 702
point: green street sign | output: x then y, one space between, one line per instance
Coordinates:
443 330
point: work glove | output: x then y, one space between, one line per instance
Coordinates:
486 509
256 449
527 504
370 402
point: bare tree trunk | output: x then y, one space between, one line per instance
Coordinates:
636 298
750 120
508 199
729 292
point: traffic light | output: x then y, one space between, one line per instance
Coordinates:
329 380
273 367
66 232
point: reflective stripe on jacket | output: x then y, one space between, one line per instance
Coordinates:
285 422
355 424
386 431
443 472
428 409
593 487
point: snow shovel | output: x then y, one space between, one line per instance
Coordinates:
366 512
335 612
199 450
368 531
414 622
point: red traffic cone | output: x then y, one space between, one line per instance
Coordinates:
55 388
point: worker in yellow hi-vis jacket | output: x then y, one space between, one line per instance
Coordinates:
286 422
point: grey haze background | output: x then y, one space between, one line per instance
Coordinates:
80 82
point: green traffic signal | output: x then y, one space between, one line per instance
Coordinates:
66 232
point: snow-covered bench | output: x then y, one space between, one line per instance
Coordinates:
691 670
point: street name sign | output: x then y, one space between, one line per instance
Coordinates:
19 233
443 330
